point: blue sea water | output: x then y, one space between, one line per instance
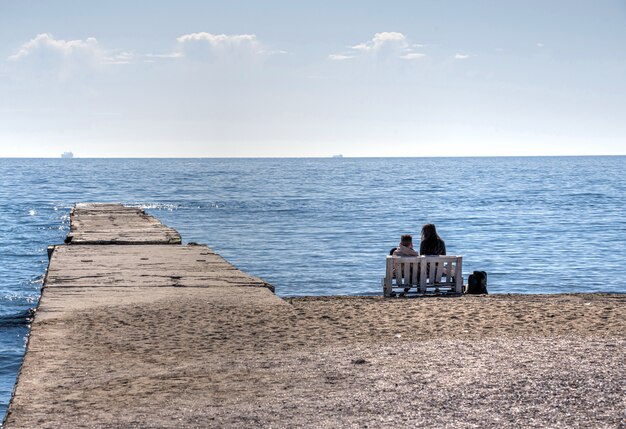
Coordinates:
324 226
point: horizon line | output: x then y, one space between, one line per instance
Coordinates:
313 157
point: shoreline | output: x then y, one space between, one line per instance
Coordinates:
430 295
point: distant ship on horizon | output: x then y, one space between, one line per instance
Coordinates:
67 155
338 156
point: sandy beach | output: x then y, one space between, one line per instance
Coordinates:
200 357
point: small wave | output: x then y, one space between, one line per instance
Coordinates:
23 318
172 207
588 195
157 206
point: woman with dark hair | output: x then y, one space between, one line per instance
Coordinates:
431 243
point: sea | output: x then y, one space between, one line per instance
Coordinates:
324 226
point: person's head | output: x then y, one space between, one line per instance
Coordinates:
406 240
429 232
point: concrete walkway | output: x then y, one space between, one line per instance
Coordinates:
116 224
93 281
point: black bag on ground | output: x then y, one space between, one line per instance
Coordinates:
477 283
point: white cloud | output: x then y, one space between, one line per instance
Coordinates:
172 55
461 56
206 44
412 56
340 57
45 49
218 39
224 48
121 58
275 52
386 44
44 46
540 45
381 41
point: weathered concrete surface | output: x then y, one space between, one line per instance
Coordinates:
101 278
143 266
92 223
81 370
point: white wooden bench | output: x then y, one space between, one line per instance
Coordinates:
422 273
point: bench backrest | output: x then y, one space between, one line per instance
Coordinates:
425 272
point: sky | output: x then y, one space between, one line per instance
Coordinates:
312 79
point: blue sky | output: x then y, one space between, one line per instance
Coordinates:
293 78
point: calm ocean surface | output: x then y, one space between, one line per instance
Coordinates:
324 226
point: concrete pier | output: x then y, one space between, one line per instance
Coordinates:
116 224
120 261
